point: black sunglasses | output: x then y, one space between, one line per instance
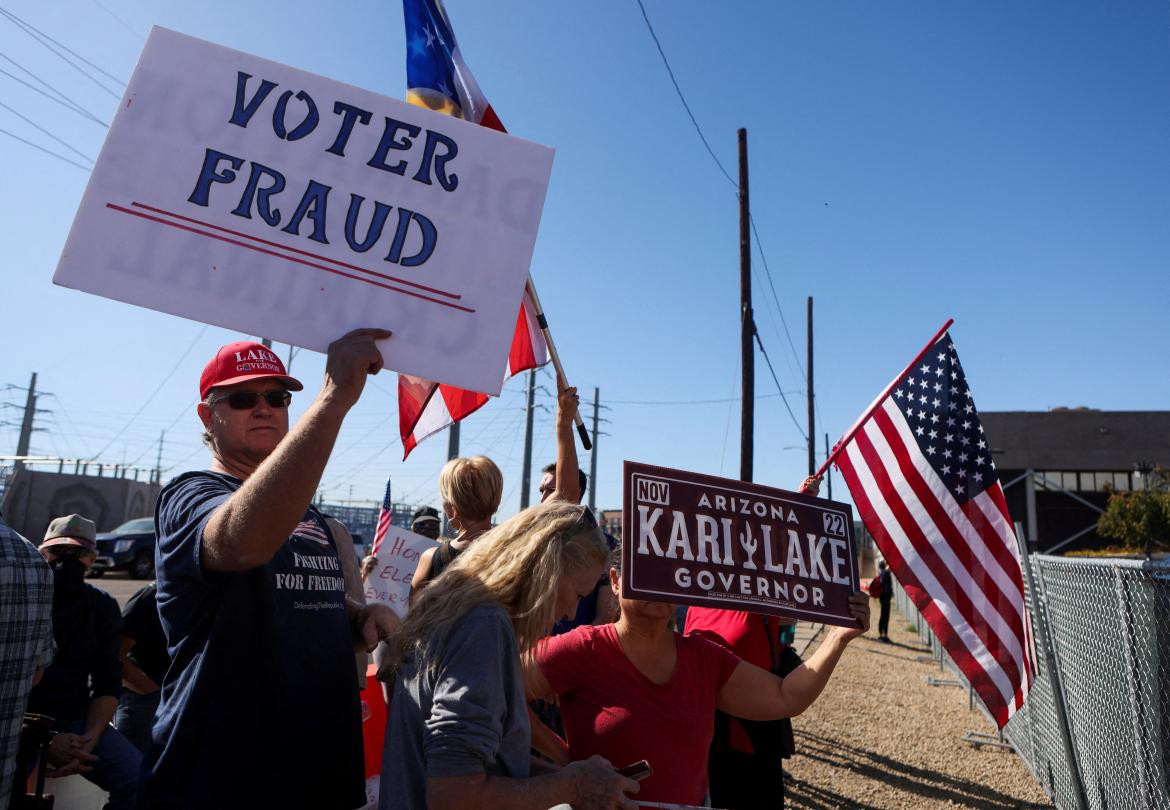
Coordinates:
247 400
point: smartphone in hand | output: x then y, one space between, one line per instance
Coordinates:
638 771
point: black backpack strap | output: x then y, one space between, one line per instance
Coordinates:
442 557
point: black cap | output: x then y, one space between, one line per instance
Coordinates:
424 514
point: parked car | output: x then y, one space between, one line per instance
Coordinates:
130 547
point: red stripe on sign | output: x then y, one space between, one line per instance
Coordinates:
953 587
939 623
386 276
315 266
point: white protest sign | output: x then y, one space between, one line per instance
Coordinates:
251 195
397 558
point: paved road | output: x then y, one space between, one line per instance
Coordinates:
118 585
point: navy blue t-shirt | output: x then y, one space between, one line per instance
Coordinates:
259 706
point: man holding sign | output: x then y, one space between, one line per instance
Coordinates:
260 705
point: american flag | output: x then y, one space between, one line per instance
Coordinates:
309 529
384 517
438 79
920 470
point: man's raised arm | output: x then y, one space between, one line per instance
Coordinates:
249 528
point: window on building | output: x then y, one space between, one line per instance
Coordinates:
1095 481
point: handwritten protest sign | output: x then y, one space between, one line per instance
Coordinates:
389 582
695 539
251 195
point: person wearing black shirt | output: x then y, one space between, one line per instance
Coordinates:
260 705
80 688
143 651
887 593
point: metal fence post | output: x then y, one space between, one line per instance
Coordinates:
1039 602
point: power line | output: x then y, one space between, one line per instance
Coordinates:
60 97
44 131
40 36
711 152
184 458
153 394
787 407
727 426
776 298
694 401
681 97
46 151
125 24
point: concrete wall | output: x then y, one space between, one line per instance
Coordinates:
34 498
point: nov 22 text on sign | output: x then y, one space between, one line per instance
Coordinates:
699 540
251 195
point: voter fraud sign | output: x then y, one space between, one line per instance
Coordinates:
254 196
397 558
695 539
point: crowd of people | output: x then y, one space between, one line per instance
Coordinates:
520 677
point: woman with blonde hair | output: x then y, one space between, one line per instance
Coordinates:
471 489
459 733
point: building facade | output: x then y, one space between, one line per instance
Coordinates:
1059 467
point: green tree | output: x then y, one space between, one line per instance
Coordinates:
1140 519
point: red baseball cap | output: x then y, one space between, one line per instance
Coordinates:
242 361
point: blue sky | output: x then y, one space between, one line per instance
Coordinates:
1001 163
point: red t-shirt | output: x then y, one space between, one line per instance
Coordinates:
610 708
746 635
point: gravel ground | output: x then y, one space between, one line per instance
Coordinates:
881 737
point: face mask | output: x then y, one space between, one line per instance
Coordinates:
68 575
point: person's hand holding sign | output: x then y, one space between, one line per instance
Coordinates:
351 358
858 601
859 607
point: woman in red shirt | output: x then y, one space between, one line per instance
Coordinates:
639 690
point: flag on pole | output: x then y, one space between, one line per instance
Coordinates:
437 78
920 470
385 515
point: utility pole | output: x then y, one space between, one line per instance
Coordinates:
526 475
812 428
26 424
746 321
453 441
593 452
158 459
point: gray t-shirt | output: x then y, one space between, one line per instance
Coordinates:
465 716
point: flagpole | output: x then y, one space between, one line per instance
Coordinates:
877 403
556 359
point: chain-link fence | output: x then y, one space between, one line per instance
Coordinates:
1095 729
